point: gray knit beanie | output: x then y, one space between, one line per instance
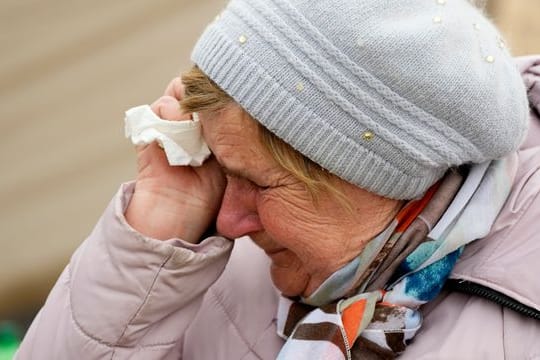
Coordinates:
386 94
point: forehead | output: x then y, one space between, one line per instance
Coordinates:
234 138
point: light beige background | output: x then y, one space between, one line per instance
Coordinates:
68 70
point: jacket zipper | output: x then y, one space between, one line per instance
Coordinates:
472 288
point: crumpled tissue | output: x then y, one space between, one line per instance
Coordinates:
182 141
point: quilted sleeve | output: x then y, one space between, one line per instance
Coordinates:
124 295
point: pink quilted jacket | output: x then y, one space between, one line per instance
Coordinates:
126 296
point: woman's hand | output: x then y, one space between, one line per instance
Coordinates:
173 201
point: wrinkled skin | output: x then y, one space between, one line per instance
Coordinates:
252 195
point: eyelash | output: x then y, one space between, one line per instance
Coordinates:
262 188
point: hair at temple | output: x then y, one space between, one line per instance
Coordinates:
202 94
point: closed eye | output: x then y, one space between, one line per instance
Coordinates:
230 173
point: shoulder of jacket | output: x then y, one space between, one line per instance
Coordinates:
506 260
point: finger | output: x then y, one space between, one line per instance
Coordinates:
175 89
141 147
153 147
168 108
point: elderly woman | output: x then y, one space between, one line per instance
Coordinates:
365 159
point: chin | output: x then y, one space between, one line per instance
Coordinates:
290 283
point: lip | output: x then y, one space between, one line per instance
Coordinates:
265 244
272 252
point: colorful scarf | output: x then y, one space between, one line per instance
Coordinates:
370 306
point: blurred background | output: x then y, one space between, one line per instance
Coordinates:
68 70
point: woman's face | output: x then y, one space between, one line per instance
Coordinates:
306 242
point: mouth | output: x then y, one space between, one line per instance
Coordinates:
282 258
266 244
273 252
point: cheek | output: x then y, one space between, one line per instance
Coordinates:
275 213
271 216
315 237
288 225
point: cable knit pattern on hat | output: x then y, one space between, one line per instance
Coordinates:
385 94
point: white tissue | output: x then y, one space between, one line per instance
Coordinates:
182 141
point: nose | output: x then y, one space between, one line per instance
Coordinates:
238 213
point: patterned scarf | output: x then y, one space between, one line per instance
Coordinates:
369 308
